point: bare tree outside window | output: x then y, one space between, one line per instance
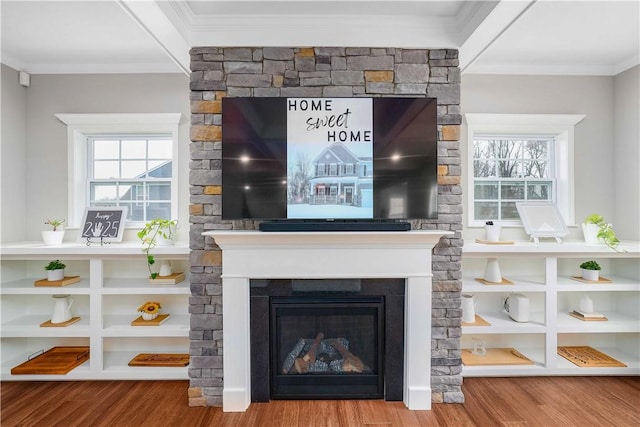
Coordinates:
509 169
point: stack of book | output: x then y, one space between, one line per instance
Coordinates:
593 316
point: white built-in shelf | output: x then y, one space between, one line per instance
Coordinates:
120 326
26 287
543 273
501 323
100 298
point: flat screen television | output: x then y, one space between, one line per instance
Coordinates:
329 159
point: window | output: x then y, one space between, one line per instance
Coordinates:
519 157
133 171
123 160
510 169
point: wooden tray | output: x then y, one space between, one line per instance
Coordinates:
588 357
48 323
499 242
479 322
68 280
486 282
495 356
600 280
55 361
155 322
168 360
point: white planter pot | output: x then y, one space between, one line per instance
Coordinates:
590 232
592 275
53 275
492 232
160 240
149 316
53 238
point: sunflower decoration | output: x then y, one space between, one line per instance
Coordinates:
150 307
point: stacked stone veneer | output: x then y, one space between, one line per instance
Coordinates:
318 72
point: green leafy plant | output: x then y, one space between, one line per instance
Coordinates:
590 265
605 231
149 235
55 223
55 265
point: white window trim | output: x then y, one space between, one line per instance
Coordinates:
81 125
561 126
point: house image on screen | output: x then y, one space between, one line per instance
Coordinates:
343 175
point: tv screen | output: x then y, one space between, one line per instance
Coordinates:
329 158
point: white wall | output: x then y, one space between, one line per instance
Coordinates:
46 136
626 155
13 157
594 136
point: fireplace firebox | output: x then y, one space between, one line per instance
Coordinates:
327 347
327 339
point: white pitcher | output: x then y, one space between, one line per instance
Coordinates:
61 308
469 302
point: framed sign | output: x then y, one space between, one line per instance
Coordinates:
542 219
104 224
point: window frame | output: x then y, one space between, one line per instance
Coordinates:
82 126
559 126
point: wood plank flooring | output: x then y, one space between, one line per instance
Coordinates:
509 402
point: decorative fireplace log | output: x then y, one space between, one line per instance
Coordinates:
290 360
302 364
351 363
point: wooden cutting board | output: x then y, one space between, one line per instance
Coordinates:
167 360
589 357
55 361
495 356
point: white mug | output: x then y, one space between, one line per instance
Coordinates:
469 303
61 308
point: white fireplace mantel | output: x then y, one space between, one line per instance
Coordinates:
250 255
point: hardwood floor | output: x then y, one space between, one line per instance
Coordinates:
536 401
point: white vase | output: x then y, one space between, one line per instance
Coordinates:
53 238
53 275
165 269
586 304
492 271
149 316
591 275
590 232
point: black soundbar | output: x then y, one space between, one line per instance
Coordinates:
288 225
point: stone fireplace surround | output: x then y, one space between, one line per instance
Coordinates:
218 72
250 255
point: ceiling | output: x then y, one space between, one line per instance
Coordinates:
504 37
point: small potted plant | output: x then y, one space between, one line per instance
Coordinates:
53 237
158 232
55 270
596 230
149 310
590 270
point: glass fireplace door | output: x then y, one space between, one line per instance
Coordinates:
327 347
